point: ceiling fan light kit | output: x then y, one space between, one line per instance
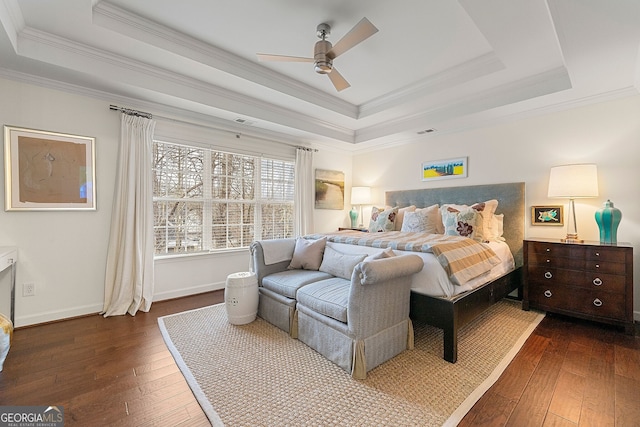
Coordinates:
324 52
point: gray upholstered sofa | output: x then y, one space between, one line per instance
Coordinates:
351 308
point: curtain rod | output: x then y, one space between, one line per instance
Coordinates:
131 112
315 150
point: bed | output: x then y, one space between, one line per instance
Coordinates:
451 314
448 306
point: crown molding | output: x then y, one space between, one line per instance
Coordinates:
12 20
124 22
83 58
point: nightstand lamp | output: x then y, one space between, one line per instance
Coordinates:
573 182
360 196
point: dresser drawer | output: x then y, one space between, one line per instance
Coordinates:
609 267
549 261
567 298
604 253
555 250
551 296
602 304
582 279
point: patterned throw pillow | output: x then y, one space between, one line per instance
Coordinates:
461 222
382 219
422 220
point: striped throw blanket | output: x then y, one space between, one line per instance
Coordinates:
461 257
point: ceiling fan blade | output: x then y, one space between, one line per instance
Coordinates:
362 31
282 58
338 81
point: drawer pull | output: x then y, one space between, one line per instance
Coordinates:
548 249
548 261
548 275
597 253
597 265
597 281
597 302
548 294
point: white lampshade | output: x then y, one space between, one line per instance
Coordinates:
573 181
360 195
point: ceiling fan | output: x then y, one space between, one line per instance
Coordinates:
324 53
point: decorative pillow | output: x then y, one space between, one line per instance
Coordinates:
340 264
486 210
307 254
497 228
387 253
400 217
382 219
422 220
459 222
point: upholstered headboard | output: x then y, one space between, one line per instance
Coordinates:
510 197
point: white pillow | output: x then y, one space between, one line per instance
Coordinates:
307 255
422 220
497 228
340 264
400 216
486 210
436 216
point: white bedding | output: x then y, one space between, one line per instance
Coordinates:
433 279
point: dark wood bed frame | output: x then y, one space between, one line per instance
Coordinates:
451 314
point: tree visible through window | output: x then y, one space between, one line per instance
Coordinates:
207 200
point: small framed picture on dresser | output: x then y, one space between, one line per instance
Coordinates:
547 215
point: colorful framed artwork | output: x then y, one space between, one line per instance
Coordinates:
547 215
444 169
329 189
48 170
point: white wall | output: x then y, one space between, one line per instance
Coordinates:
64 253
607 134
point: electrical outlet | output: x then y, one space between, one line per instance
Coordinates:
28 289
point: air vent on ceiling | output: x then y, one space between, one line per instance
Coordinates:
243 121
422 132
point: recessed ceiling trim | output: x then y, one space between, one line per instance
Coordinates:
124 22
79 57
462 73
541 84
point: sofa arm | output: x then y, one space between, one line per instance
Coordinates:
384 269
281 251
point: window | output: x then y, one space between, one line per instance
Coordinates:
206 200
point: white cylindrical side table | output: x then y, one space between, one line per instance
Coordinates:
241 298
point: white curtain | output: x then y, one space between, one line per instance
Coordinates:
304 189
129 274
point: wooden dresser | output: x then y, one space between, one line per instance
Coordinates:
587 280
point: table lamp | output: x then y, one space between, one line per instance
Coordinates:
573 182
360 196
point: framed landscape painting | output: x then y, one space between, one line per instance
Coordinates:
329 189
48 170
444 169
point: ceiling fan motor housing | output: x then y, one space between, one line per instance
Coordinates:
323 64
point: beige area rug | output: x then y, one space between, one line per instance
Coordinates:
256 375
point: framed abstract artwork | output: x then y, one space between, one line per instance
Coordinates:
48 170
547 215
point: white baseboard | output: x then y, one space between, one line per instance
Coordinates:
52 316
192 290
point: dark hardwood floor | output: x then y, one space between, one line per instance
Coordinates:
118 371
